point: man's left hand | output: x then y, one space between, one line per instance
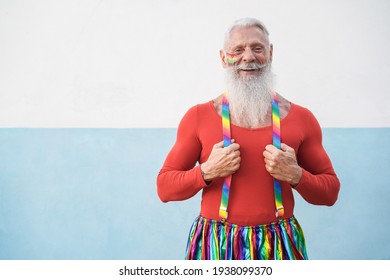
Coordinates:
282 164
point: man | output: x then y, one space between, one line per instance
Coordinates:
247 179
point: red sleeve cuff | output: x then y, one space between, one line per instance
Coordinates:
303 181
199 178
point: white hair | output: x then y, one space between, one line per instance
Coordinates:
246 22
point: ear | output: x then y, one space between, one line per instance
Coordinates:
223 58
271 51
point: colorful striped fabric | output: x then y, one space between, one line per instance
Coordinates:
214 240
227 140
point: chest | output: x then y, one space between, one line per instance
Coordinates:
252 141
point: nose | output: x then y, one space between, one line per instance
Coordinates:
248 55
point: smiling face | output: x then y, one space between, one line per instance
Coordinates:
248 50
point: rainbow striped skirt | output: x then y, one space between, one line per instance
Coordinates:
214 240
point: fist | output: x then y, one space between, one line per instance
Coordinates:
222 162
282 164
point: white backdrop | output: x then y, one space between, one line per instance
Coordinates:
117 63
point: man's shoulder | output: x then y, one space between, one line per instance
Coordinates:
198 109
201 107
304 115
301 109
199 115
297 109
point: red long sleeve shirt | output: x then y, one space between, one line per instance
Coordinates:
251 200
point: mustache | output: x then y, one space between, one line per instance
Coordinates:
251 66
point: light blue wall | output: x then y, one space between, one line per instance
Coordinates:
91 194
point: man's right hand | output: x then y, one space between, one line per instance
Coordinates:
222 162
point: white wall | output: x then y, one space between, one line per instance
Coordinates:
113 63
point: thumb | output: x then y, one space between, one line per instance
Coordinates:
218 145
222 144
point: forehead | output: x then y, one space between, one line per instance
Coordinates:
244 35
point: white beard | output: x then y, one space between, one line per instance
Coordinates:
249 97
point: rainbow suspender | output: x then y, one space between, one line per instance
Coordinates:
276 143
227 140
